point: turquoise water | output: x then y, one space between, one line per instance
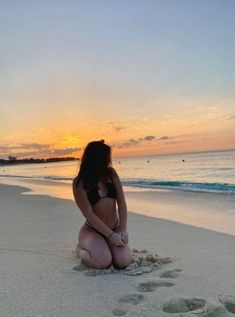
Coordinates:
199 172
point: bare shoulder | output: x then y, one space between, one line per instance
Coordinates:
80 196
77 183
78 189
113 171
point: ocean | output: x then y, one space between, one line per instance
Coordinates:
194 172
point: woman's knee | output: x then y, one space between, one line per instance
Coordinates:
97 253
100 260
122 260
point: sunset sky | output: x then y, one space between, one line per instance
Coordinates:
148 76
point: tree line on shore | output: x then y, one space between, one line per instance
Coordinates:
13 160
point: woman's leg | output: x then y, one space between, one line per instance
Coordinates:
121 255
93 249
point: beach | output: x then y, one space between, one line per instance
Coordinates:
41 274
132 95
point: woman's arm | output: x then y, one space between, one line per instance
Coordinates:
122 207
84 205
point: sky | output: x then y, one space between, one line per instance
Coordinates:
148 77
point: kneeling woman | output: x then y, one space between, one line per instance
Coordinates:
103 239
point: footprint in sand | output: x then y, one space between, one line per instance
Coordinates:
212 311
182 304
171 273
151 286
126 301
229 302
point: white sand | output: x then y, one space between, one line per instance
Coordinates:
39 268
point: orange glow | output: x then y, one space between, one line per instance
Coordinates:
162 134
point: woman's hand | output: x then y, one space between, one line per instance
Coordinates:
124 234
117 239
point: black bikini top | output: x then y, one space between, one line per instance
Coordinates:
94 196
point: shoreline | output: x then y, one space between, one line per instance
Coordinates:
211 211
27 191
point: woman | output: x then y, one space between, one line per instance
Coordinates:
103 239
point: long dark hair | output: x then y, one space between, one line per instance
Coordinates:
95 163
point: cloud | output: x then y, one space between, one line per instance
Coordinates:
5 148
149 138
25 146
35 146
41 152
132 142
27 154
128 143
114 126
65 151
228 116
172 142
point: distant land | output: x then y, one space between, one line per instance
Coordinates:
12 160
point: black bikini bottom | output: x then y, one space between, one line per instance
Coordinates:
92 228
